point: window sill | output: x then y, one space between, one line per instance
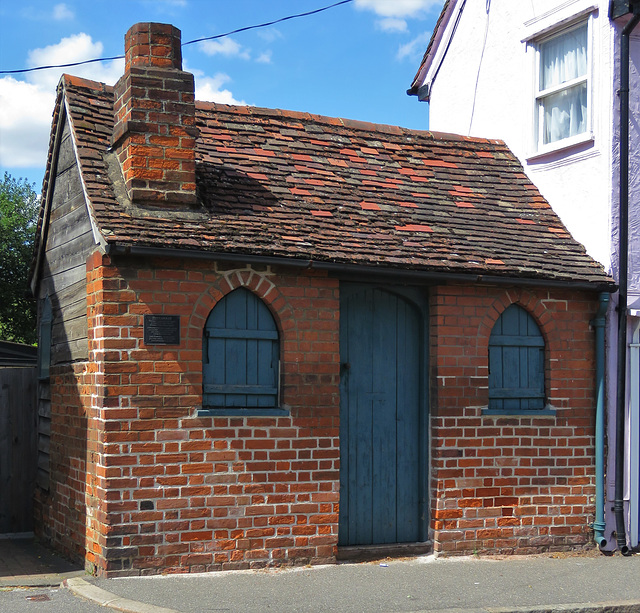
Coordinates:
245 412
546 412
564 146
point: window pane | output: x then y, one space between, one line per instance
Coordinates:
563 58
565 113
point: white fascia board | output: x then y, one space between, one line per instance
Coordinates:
432 62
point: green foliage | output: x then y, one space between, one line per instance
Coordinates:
19 205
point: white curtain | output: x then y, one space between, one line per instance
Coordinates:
564 59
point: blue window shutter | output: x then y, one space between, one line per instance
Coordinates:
516 362
241 353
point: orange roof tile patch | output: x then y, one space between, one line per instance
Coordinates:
264 152
336 162
369 206
409 205
525 221
493 261
296 191
439 164
369 150
461 189
465 205
414 228
319 213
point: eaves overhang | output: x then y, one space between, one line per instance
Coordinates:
362 271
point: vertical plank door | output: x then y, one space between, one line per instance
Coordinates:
381 430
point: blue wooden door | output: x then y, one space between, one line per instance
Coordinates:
382 421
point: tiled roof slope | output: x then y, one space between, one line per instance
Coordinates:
282 184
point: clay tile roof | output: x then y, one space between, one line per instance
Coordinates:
273 183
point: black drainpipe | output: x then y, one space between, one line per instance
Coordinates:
618 505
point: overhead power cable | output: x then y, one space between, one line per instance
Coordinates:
190 42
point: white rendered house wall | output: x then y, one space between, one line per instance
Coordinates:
485 87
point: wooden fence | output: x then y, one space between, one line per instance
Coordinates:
18 447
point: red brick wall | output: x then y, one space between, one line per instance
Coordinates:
510 484
65 515
186 492
149 485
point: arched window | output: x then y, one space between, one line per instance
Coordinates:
241 353
516 363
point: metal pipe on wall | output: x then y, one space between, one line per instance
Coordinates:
599 322
618 505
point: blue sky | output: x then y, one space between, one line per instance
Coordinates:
356 60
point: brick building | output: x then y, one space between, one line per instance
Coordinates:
269 337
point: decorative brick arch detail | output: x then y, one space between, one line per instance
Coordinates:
254 281
531 303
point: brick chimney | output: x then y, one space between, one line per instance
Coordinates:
154 132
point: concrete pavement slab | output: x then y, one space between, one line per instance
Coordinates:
531 584
26 563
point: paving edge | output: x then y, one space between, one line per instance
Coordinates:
86 590
622 606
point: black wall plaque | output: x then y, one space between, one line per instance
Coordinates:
162 329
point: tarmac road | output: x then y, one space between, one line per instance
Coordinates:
45 600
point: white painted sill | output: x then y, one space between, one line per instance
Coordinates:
564 145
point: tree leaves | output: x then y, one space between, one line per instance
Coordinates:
19 206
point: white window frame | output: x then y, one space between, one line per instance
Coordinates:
539 147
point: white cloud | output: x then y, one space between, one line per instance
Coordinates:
209 89
76 48
270 35
26 105
398 8
392 24
264 58
225 46
25 121
414 48
61 12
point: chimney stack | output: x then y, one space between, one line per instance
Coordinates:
154 131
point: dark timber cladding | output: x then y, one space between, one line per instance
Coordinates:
68 244
17 448
63 279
